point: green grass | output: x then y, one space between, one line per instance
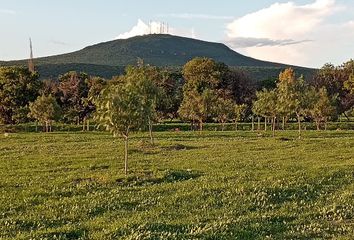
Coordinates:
191 185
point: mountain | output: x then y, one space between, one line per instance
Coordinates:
109 58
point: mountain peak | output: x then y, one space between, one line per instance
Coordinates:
154 49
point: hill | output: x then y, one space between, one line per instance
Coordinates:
109 58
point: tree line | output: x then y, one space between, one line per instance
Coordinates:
203 91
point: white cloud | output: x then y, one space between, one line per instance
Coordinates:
196 16
142 28
283 31
7 11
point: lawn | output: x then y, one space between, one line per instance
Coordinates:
190 185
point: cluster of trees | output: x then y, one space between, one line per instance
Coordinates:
294 98
203 91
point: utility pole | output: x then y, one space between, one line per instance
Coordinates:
30 60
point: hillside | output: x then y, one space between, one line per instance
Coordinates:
109 58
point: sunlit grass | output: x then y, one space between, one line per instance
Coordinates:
216 185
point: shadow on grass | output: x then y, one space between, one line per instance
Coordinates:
170 176
149 149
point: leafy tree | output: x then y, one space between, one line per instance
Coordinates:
302 101
287 95
45 110
95 85
223 110
74 90
201 74
239 113
202 78
288 75
122 107
266 106
149 78
198 107
18 87
349 84
333 79
322 107
237 85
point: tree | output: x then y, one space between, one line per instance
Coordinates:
302 100
237 85
18 87
333 79
349 84
148 77
122 108
266 106
322 107
198 107
223 110
74 90
95 85
239 112
45 110
202 78
287 94
201 74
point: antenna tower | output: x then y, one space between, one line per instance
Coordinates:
30 60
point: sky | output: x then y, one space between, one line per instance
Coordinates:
300 32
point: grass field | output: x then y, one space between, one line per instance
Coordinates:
191 185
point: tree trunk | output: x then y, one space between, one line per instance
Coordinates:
200 125
150 132
126 155
222 126
252 123
88 125
46 126
318 125
259 124
83 124
236 123
283 126
299 124
274 122
36 126
265 123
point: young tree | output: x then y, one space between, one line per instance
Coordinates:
122 108
223 110
322 107
239 112
198 107
287 95
45 110
266 105
148 78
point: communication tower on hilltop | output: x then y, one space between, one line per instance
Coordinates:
30 60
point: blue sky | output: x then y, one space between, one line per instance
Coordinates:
304 32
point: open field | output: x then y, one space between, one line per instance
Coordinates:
191 185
